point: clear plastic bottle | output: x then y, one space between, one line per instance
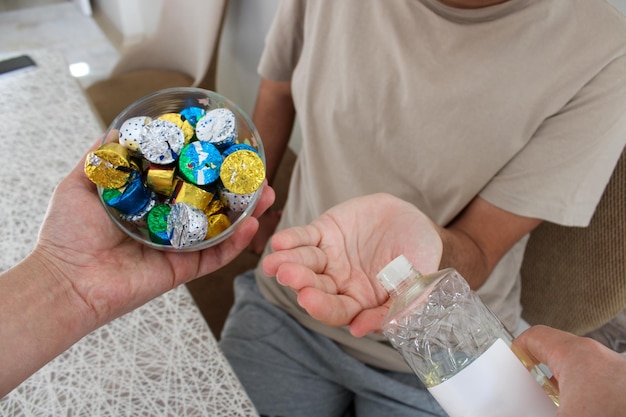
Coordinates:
459 348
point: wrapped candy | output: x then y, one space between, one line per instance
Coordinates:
161 178
131 198
139 218
236 203
215 206
163 175
192 115
130 132
161 142
182 124
186 225
200 163
219 127
238 147
217 223
217 215
108 166
242 172
157 223
191 194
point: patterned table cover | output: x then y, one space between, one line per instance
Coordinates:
159 360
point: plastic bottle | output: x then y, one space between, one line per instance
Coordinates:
459 349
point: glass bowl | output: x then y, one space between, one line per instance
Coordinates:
194 103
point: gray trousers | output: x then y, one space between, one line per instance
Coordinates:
290 371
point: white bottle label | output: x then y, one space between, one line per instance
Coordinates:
495 385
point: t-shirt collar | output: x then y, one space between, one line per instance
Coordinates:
483 14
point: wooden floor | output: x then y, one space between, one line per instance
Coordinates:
214 292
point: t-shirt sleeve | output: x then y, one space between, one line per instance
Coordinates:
283 43
560 175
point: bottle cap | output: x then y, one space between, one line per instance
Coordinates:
394 273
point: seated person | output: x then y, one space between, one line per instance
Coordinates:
332 265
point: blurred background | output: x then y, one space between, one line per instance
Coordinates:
93 34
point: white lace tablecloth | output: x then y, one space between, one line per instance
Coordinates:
161 359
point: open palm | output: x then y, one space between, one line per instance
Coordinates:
332 263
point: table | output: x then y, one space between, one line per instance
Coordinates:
159 360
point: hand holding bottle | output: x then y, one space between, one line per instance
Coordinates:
591 377
459 349
332 262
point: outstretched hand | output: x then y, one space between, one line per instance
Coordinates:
110 272
332 263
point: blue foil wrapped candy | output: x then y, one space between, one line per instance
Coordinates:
192 114
132 198
238 147
140 218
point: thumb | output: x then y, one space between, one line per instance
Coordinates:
368 321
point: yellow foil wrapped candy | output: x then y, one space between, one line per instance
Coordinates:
217 224
242 172
185 192
161 179
108 166
215 207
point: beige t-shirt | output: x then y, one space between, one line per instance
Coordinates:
522 103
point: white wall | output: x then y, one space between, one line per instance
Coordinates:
84 6
243 38
131 19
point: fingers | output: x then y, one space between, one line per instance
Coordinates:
296 236
299 277
368 321
543 342
333 310
309 256
342 310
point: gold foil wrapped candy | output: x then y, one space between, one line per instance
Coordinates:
242 172
217 224
161 179
185 192
108 166
214 207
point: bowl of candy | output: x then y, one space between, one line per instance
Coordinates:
179 169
